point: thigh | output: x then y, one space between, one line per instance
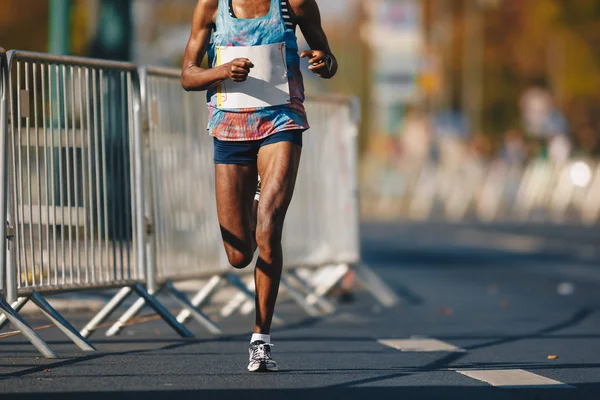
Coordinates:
235 188
278 168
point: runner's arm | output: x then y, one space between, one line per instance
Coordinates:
193 76
308 17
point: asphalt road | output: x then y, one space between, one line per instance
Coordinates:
497 300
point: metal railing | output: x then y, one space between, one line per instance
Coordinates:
109 184
485 190
185 236
74 182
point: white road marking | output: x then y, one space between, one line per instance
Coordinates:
420 345
514 379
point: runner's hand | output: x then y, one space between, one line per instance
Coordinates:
238 69
320 63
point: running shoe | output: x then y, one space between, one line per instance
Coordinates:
260 358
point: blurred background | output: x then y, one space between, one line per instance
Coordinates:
481 110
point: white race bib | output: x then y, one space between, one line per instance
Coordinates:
267 84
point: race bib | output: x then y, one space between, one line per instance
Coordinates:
267 84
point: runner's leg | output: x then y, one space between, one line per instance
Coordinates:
235 189
278 167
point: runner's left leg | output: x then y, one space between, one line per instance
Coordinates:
278 167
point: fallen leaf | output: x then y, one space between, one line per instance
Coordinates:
47 370
446 311
552 357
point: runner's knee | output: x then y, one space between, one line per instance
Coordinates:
268 236
239 259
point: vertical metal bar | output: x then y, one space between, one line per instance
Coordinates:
19 198
60 95
52 172
126 136
12 243
97 169
104 191
133 113
158 255
90 195
75 206
28 170
46 175
82 140
116 170
38 172
5 284
138 187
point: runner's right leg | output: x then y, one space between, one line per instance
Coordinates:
235 189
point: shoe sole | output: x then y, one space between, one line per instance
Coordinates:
263 368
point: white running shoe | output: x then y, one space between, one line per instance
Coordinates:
260 358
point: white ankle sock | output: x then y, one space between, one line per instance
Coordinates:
260 337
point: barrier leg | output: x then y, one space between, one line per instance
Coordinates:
202 296
333 277
233 304
108 309
249 305
312 299
162 312
299 298
61 322
195 312
26 330
376 286
149 299
131 312
239 284
17 305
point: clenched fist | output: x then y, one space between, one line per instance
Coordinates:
321 63
237 70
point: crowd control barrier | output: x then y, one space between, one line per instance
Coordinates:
74 190
108 183
322 222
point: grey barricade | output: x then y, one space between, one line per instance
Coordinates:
74 198
322 223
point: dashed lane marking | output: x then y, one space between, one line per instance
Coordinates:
514 379
420 345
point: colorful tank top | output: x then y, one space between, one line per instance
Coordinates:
257 123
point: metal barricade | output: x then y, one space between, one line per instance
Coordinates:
74 183
322 220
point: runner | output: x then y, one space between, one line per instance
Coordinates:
263 141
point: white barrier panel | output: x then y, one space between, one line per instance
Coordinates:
322 222
181 181
487 190
73 201
72 182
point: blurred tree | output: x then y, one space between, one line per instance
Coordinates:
24 24
113 38
551 41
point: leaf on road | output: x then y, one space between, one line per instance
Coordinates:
552 357
446 311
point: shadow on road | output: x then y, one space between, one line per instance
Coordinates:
416 392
